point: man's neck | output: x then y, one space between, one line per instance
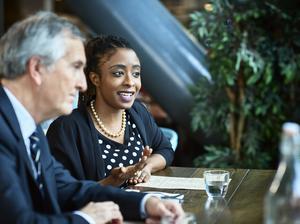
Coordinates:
22 90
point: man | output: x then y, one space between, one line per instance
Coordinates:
41 70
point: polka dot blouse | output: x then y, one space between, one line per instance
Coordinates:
118 155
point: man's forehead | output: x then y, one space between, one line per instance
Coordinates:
74 49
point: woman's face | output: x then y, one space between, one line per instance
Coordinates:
119 81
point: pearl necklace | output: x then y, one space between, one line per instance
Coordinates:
103 128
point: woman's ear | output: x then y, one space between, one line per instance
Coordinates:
35 69
95 78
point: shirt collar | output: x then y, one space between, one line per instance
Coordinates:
26 121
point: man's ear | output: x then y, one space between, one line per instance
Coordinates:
95 78
34 69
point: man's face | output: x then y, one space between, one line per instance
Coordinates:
62 80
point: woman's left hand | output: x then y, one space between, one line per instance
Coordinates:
142 175
121 174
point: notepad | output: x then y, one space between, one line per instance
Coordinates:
164 182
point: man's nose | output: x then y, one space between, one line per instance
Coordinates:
81 83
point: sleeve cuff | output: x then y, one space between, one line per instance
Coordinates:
88 218
143 206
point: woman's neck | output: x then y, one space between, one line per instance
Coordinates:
111 123
108 114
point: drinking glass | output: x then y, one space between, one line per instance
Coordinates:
216 182
187 218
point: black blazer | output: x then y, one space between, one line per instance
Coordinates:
73 141
20 199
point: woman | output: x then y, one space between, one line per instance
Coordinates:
110 137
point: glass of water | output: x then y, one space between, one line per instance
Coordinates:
187 218
216 182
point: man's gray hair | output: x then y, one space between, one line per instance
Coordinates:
41 35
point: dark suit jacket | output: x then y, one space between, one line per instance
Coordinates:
73 141
20 199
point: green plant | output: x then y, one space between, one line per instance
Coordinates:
253 49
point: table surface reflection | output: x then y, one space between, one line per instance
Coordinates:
243 202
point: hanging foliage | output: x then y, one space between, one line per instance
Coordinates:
254 60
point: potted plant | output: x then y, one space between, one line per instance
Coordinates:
253 49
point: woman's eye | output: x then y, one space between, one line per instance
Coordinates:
136 74
117 74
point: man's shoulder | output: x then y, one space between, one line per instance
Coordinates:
7 136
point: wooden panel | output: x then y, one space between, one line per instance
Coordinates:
246 206
243 203
196 200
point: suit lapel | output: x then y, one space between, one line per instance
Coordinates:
9 115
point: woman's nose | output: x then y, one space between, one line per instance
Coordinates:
129 79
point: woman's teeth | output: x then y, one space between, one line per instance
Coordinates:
125 96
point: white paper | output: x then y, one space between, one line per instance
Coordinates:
164 182
165 195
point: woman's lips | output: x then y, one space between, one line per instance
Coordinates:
126 96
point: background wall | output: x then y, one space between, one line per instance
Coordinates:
188 147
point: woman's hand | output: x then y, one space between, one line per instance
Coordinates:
143 174
119 175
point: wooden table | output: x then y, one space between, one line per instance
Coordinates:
243 202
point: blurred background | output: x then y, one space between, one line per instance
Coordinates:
223 74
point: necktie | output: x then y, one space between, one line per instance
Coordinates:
35 155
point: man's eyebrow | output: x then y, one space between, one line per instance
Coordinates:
79 62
